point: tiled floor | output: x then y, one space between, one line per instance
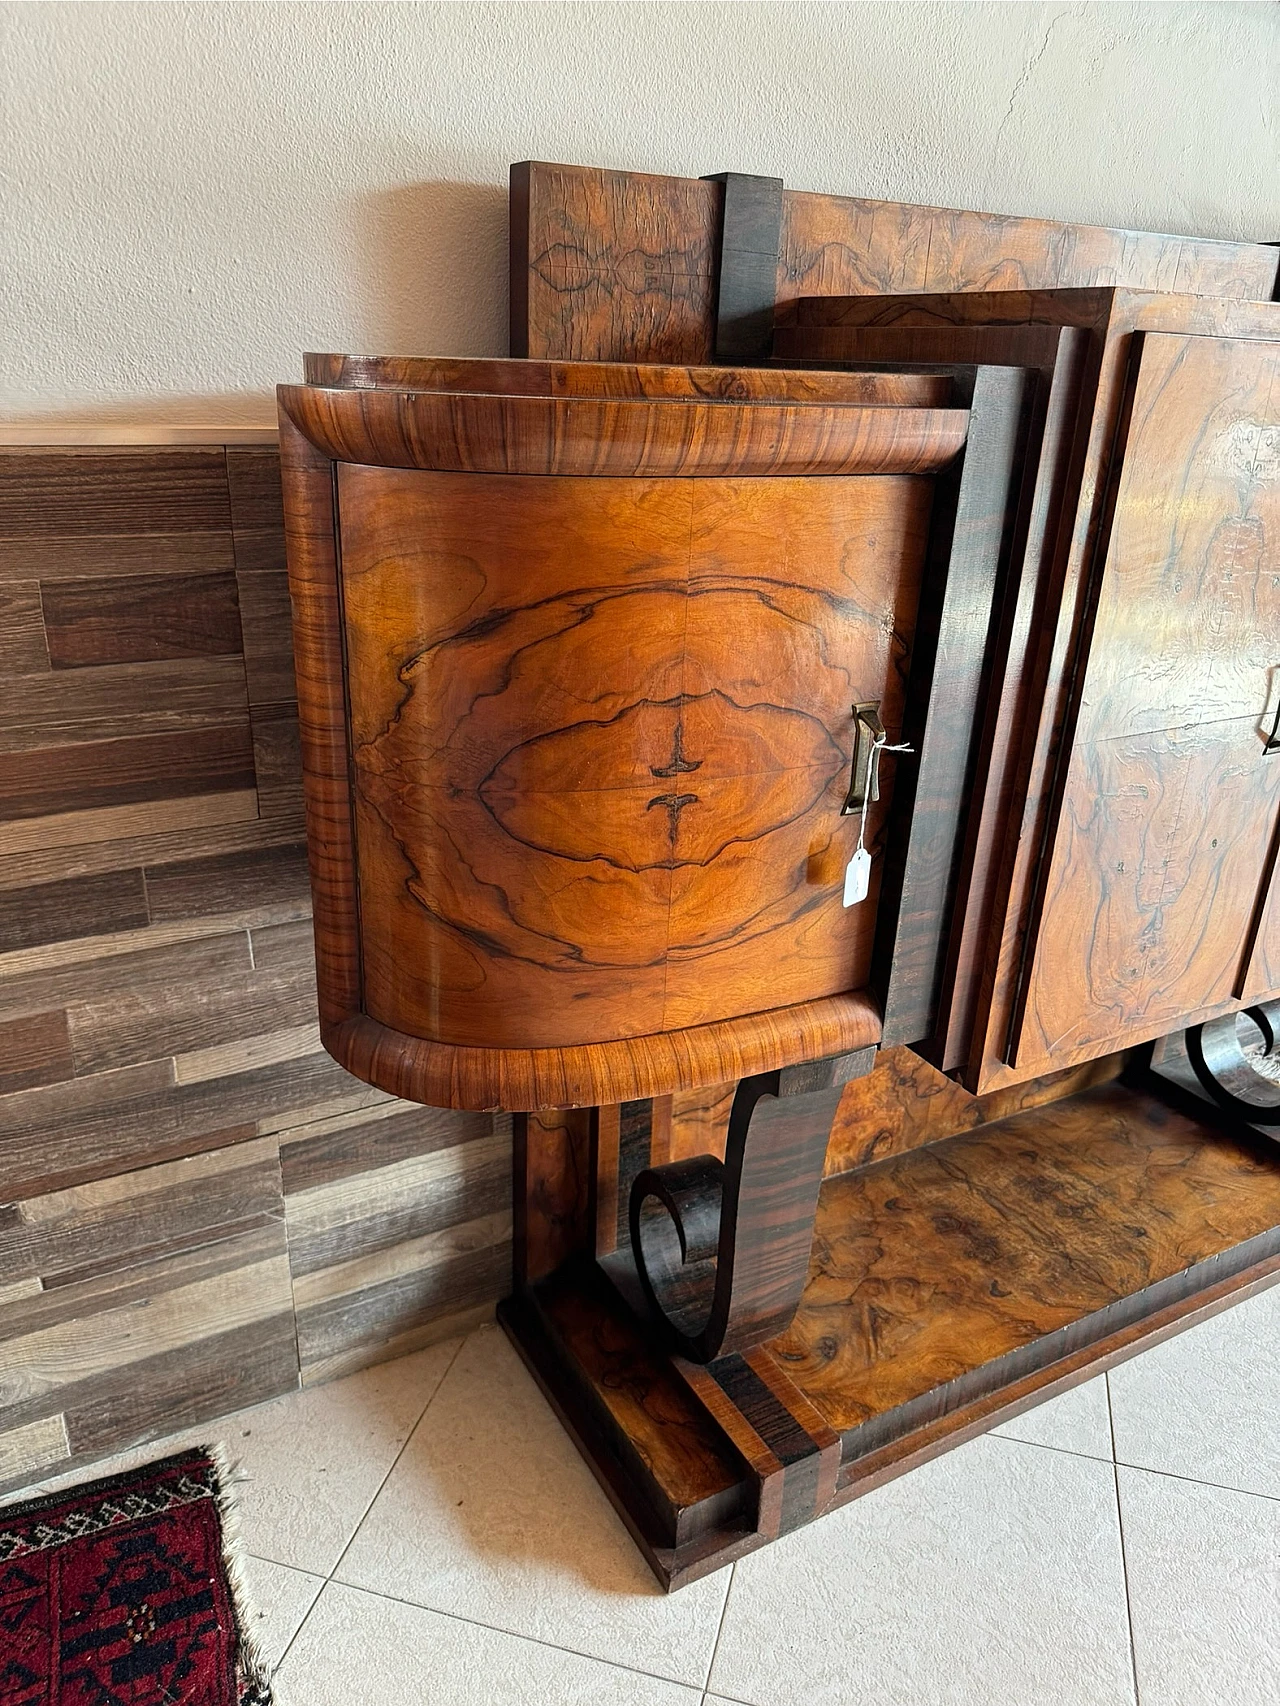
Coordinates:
424 1533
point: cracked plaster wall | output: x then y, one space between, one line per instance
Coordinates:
192 194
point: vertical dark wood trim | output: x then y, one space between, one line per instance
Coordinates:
721 1249
750 242
973 515
635 1151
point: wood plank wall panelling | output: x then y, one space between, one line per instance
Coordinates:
198 1208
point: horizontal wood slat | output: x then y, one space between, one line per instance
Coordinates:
57 493
192 1191
131 618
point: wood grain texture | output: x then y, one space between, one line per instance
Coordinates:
618 266
551 1190
56 912
950 1287
750 237
34 1050
946 1272
585 1075
844 246
152 1058
45 781
54 494
604 264
952 659
92 555
624 379
792 1452
593 437
584 779
721 1248
1170 803
629 746
1115 320
1260 976
130 618
23 649
613 1392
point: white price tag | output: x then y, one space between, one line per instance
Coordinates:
857 877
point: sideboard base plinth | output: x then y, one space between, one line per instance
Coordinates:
950 1288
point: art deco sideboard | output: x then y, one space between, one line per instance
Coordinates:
799 736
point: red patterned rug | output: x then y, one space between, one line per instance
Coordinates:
116 1593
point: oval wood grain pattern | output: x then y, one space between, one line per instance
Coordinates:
591 436
601 732
593 741
618 266
624 379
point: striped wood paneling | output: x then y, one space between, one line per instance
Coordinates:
198 1208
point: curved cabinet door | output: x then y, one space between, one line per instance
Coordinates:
1165 836
601 732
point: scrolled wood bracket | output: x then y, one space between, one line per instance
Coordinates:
722 1248
1228 1074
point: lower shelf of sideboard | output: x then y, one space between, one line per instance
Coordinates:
949 1288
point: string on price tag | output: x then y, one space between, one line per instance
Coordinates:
857 873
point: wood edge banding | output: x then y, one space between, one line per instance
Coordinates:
448 1075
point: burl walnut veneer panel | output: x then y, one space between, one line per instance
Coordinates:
948 1272
1170 800
949 1287
200 1207
575 795
1181 638
617 735
623 266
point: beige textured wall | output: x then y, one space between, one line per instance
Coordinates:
194 193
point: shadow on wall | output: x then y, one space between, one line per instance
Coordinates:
432 269
428 276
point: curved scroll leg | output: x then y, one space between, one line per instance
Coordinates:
722 1248
1228 1073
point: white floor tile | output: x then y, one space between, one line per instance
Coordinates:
277 1599
313 1462
1077 1420
491 1514
990 1577
1204 1588
359 1650
1204 1404
309 1463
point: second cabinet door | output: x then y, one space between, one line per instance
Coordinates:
1154 901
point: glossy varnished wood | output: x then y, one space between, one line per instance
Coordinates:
1088 488
952 659
676 728
623 380
1170 799
950 1285
623 266
600 721
951 1270
721 1247
591 436
588 1074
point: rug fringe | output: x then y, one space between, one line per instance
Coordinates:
255 1687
